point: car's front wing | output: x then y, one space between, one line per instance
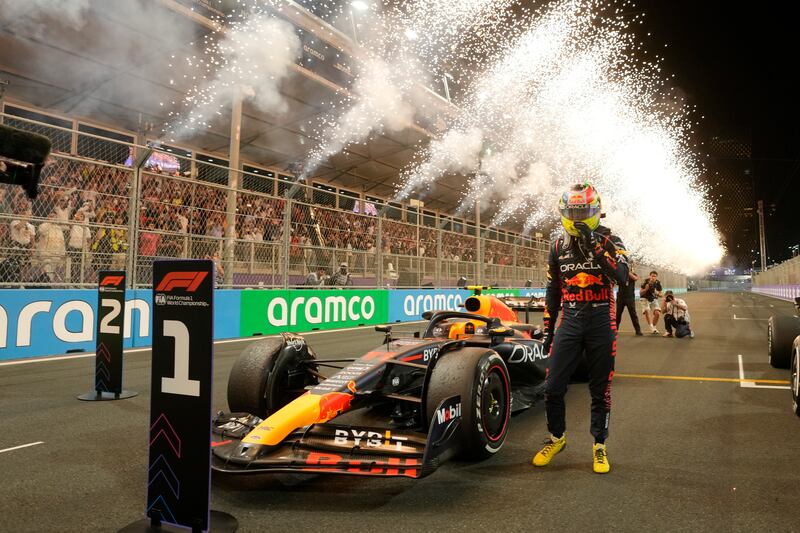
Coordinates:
339 449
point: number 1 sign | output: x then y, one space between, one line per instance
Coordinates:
178 490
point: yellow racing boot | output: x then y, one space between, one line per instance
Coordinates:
551 447
601 464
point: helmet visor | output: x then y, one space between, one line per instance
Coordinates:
577 214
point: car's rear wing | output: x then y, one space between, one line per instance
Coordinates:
525 303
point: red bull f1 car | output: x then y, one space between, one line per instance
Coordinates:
398 410
783 349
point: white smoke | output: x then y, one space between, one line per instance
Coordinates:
36 16
458 152
380 100
401 46
251 60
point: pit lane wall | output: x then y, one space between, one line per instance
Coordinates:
781 281
36 323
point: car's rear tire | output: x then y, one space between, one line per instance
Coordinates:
267 375
795 376
481 378
781 332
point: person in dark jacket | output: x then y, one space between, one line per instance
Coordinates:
626 297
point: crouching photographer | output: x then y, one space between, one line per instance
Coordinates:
676 315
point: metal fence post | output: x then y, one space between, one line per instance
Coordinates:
233 187
479 242
514 268
439 257
379 252
287 240
133 215
133 240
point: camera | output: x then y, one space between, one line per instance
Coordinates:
22 158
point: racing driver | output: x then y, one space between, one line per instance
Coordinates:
583 267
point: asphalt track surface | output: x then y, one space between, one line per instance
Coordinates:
686 454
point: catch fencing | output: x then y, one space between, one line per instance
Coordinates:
781 281
107 203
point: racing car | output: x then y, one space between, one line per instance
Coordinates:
401 409
783 349
525 303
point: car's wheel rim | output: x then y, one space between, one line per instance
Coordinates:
495 404
769 341
796 377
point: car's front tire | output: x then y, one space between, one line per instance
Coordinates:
268 374
781 332
481 378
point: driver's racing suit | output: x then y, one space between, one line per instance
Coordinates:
584 282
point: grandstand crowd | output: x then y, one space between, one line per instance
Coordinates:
79 224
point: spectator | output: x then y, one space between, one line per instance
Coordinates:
182 222
80 237
219 270
88 210
251 233
119 243
50 247
62 209
22 235
215 227
109 243
676 315
341 278
315 279
650 293
627 298
148 241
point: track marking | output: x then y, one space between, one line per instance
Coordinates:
740 318
21 446
224 341
698 378
754 383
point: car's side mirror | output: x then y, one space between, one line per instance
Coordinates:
427 315
537 333
387 333
501 331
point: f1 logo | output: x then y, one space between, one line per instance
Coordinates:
187 280
112 280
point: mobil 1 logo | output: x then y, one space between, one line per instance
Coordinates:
178 489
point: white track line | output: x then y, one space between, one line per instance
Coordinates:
740 318
21 446
225 341
752 384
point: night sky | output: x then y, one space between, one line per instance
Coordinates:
736 66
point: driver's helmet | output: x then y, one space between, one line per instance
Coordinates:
580 204
458 329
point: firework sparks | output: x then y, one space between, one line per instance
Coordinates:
247 56
545 98
567 102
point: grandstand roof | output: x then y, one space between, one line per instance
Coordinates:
79 73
